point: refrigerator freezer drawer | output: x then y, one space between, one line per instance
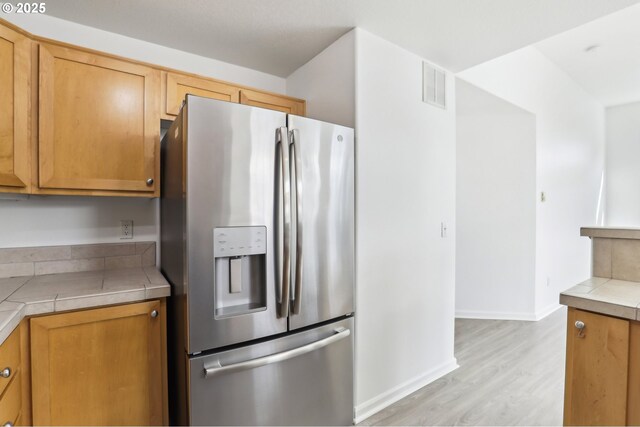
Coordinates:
300 379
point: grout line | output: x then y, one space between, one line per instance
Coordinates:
611 258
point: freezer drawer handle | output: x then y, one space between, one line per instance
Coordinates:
217 369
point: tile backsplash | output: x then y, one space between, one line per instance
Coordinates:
75 258
616 258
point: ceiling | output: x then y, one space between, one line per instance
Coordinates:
278 36
611 72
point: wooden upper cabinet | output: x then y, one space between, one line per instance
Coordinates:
99 367
99 124
80 122
273 102
15 74
597 370
177 86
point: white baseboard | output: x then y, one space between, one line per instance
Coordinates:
541 314
389 397
502 315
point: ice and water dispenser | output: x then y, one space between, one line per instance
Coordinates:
240 270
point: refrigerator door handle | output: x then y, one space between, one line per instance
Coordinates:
285 194
297 165
218 369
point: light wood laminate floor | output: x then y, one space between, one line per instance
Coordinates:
511 373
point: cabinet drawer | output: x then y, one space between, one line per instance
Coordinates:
9 359
10 401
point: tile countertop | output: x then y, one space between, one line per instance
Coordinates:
29 295
619 298
611 232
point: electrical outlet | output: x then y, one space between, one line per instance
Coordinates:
126 229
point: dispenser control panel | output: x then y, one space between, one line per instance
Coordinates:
238 241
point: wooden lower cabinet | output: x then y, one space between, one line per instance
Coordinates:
602 378
11 380
11 402
104 366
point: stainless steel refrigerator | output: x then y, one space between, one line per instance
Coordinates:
257 235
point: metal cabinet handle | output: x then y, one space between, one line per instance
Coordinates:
154 313
297 166
5 373
150 181
218 369
580 326
8 424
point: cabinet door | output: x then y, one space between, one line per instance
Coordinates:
99 124
98 367
273 102
633 392
15 72
178 86
597 369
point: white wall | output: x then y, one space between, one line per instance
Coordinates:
405 186
623 165
327 82
495 206
51 220
570 162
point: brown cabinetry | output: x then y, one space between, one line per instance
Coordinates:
10 403
273 102
602 370
15 74
99 123
177 86
80 122
11 380
101 366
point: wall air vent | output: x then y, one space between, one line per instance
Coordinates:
433 86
